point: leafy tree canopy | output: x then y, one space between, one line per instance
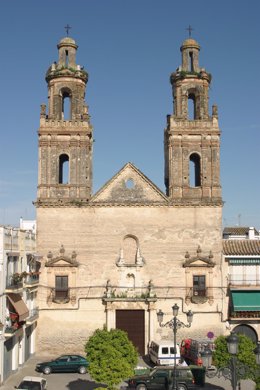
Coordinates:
245 356
112 356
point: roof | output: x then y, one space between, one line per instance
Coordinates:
190 43
241 247
33 378
68 40
129 186
238 231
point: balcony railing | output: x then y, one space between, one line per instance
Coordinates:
243 281
10 329
245 314
13 283
32 278
33 315
198 295
62 296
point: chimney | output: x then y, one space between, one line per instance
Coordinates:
251 233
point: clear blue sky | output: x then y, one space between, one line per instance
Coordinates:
129 48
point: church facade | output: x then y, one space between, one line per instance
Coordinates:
117 257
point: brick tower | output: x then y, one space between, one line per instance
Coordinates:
65 133
192 136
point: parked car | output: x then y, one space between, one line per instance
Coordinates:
161 378
191 350
64 363
32 383
164 353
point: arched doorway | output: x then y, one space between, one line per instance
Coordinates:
247 331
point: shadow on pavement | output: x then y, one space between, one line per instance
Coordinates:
209 386
84 384
147 361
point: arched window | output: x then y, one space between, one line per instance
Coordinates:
130 249
66 104
130 278
194 170
191 66
191 106
66 58
63 169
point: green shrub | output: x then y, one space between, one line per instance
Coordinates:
112 356
245 357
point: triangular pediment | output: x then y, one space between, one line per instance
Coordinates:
61 260
199 260
130 186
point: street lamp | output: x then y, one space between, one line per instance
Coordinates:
233 371
175 324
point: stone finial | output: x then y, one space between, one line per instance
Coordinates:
62 250
85 115
108 291
50 255
150 289
199 251
187 255
43 111
73 255
215 111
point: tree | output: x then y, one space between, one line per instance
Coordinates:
112 356
245 357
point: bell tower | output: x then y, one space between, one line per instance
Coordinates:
192 136
65 133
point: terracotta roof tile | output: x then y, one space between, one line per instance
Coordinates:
241 247
238 230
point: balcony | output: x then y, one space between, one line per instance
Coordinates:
243 281
244 315
33 316
13 325
31 280
10 331
198 295
14 283
62 296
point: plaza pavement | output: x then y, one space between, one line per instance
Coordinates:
75 381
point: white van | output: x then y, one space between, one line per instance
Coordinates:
162 353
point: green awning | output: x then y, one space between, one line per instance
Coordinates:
246 300
244 261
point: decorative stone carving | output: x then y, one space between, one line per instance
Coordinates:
198 260
62 260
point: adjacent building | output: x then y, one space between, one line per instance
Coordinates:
114 258
19 277
241 251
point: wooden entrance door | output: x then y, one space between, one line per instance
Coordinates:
132 322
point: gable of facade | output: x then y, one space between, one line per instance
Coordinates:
130 186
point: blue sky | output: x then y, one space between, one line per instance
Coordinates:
129 48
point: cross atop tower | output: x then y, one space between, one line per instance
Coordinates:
190 29
67 28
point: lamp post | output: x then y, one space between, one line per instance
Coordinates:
175 324
233 371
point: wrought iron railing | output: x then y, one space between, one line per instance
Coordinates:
245 314
13 282
32 278
34 312
242 280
